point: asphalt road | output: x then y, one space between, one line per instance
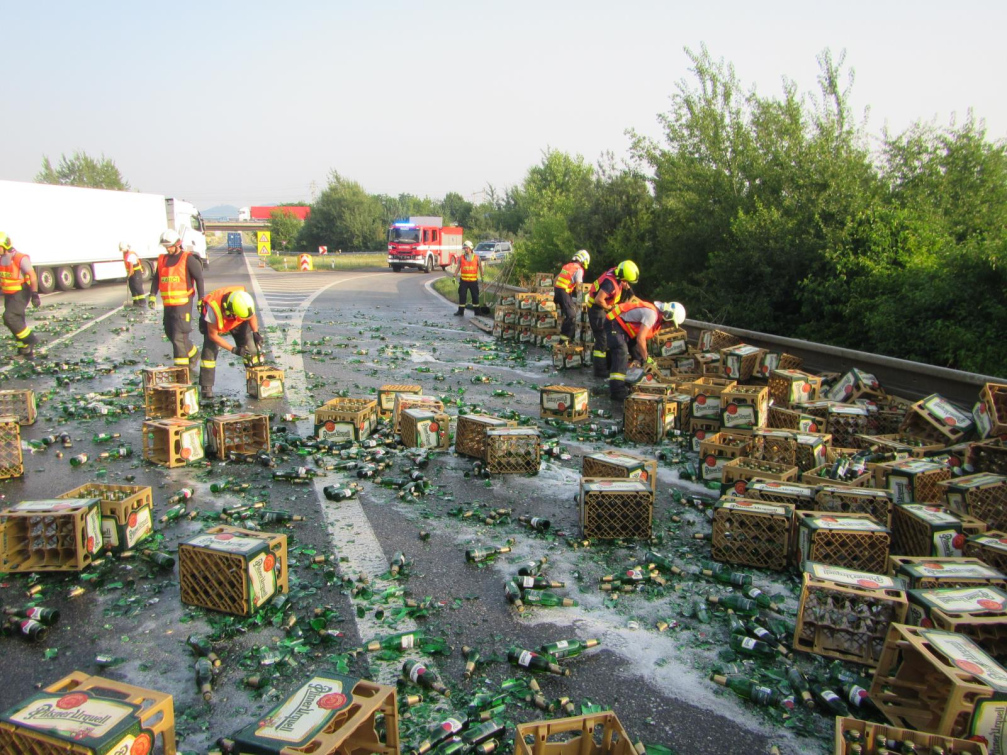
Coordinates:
370 327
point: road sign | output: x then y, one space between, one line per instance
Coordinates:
263 241
323 250
306 263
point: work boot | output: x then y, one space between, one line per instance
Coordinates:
28 353
617 390
206 392
460 312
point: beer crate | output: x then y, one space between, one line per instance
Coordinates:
497 331
516 450
778 446
423 429
752 533
89 715
989 414
679 408
19 403
812 450
744 407
825 631
707 385
715 340
899 444
654 387
590 734
646 418
567 356
983 496
929 573
836 499
989 456
615 509
500 311
546 321
716 449
846 422
886 421
153 376
919 529
820 476
507 300
614 464
264 382
707 426
550 338
874 737
173 442
738 472
470 435
528 302
781 418
126 512
349 419
916 480
797 494
405 401
856 541
853 385
507 315
937 419
544 281
989 547
169 400
772 360
11 462
709 365
739 362
232 570
242 433
546 305
793 386
329 715
669 342
940 682
50 535
563 402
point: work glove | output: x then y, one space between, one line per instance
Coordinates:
36 301
251 360
257 337
151 302
243 351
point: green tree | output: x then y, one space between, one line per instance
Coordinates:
81 169
284 227
344 217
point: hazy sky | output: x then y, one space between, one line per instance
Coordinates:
250 102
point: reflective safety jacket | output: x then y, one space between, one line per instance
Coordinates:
174 285
214 302
12 279
618 312
608 275
566 277
132 262
468 269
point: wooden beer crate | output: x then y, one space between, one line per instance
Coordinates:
979 613
707 386
470 435
989 547
173 442
567 356
126 512
929 573
820 476
549 338
813 449
752 533
232 570
782 418
873 738
744 407
423 429
797 494
646 418
264 382
614 509
989 456
900 443
739 362
940 682
529 301
837 499
853 385
936 419
727 445
856 541
19 403
349 419
405 401
679 408
990 413
173 400
919 529
329 715
846 422
771 360
563 402
614 464
793 386
824 631
916 480
738 472
590 734
242 433
983 496
92 715
669 342
152 376
516 450
499 312
50 535
544 281
11 461
715 340
777 446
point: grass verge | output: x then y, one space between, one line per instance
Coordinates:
447 287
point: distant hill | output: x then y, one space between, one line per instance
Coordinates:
220 212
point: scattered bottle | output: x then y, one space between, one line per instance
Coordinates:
31 630
105 437
47 616
749 690
546 598
534 662
204 678
535 522
472 657
567 648
477 555
78 460
419 674
202 648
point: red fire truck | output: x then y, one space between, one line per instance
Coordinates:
423 242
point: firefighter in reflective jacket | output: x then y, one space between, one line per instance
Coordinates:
570 276
470 272
630 325
226 311
134 273
19 286
179 275
612 287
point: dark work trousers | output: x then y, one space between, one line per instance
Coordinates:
468 287
621 348
135 282
178 326
14 306
208 356
599 329
566 304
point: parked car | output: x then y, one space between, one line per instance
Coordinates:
493 249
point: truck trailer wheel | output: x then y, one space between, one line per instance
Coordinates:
83 276
148 267
64 278
46 280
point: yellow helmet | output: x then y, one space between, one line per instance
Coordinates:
5 241
583 257
628 271
241 304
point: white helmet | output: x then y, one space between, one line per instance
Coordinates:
170 238
124 246
583 257
467 245
672 311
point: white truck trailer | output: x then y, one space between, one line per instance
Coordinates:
72 234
